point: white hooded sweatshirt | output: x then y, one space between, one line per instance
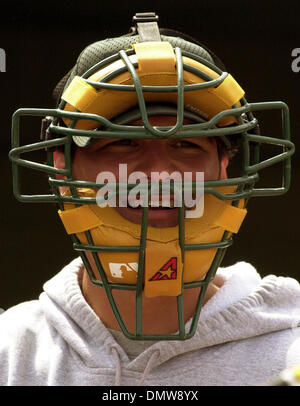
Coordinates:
247 334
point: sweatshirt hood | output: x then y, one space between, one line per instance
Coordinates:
245 306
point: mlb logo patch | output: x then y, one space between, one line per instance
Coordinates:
117 269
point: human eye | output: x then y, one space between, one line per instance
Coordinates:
187 144
113 145
123 142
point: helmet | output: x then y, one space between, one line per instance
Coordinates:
117 81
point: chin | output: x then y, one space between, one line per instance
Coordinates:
157 217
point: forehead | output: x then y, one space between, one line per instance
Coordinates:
160 121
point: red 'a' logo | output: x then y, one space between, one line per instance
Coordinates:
167 272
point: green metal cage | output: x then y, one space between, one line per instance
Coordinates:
62 136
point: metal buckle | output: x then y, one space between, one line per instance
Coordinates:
146 25
45 124
145 17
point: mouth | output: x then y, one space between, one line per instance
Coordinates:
160 217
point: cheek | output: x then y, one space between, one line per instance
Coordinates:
212 171
207 163
87 166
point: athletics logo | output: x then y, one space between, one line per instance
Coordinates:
167 272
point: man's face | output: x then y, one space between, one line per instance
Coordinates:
168 155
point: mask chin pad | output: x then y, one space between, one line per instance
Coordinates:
164 272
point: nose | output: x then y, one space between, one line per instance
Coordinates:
154 158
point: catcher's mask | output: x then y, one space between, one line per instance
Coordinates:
115 81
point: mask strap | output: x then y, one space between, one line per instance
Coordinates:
228 217
147 27
79 219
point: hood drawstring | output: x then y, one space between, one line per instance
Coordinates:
118 366
146 372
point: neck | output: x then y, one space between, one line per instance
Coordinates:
159 314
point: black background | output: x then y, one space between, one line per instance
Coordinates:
42 41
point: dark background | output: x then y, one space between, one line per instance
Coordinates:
42 40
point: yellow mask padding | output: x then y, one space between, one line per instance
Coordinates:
163 262
81 95
156 67
155 57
